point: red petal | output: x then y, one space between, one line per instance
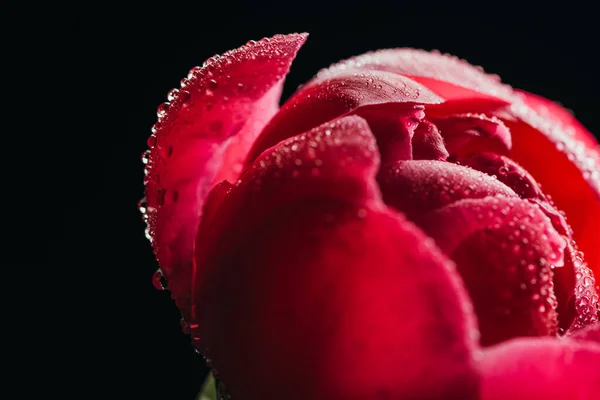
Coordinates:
559 115
506 170
416 187
526 369
337 159
567 168
315 104
589 333
584 292
504 249
234 94
446 75
428 144
466 133
302 263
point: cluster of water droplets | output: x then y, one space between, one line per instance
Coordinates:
587 302
417 62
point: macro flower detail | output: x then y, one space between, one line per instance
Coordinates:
404 226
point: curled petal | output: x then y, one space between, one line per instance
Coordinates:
416 187
505 249
219 109
467 133
525 369
345 93
566 162
451 78
428 144
506 170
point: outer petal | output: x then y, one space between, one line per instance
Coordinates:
566 166
417 187
357 297
446 75
505 249
550 369
234 94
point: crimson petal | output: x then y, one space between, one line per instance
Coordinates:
342 94
234 94
505 249
449 77
310 266
428 144
416 187
525 369
590 333
566 162
467 133
507 171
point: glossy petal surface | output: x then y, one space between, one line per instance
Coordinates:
525 369
214 117
504 249
325 283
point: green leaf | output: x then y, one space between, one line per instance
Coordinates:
209 391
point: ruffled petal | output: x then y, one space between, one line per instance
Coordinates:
346 93
506 171
233 94
314 289
419 186
468 133
525 369
505 250
428 143
565 161
449 77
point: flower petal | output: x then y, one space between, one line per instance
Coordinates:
467 133
234 94
525 369
416 187
589 333
428 144
306 266
506 170
505 249
449 77
343 94
568 168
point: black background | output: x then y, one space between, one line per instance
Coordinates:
115 67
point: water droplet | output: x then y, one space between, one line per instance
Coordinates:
172 95
212 84
151 141
142 205
159 280
162 109
145 157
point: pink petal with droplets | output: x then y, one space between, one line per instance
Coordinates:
506 170
468 133
549 369
234 94
558 114
590 333
564 160
505 249
428 144
343 94
313 286
417 187
446 75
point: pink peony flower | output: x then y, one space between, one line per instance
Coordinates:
405 226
